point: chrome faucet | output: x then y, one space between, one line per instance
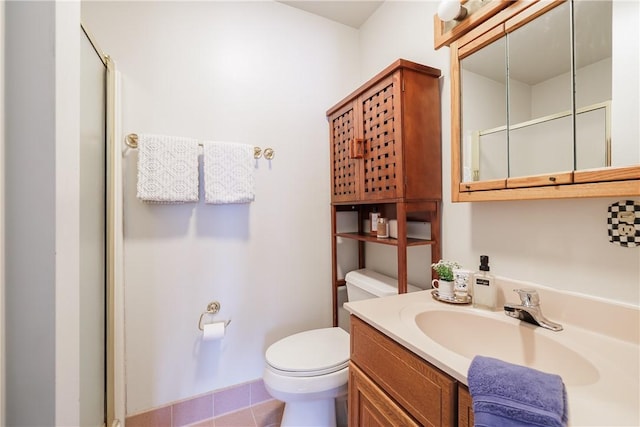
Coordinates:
529 310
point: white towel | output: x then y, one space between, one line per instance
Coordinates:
228 172
167 169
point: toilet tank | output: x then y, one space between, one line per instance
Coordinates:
365 284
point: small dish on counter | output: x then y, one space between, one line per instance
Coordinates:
451 300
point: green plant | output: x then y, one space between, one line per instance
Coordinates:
445 269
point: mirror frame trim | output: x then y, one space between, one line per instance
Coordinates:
601 182
443 37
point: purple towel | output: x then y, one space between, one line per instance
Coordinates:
506 395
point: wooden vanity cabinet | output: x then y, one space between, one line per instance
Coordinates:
389 385
385 146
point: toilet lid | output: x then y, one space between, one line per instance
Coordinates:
317 352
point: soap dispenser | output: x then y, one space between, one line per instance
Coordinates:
484 287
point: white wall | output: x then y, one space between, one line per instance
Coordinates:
30 232
557 243
256 72
264 73
40 217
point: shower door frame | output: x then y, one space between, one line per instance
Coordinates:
114 333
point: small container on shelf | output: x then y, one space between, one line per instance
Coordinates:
373 221
383 228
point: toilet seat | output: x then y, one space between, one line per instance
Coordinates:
310 353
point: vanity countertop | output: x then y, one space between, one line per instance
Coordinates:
603 390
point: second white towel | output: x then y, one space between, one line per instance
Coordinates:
228 172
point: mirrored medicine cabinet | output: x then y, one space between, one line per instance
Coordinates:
545 102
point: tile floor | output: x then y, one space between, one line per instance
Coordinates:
266 414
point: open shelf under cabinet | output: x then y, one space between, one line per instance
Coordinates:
403 212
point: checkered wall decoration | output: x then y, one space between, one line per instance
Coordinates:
624 223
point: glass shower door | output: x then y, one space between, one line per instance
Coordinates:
92 266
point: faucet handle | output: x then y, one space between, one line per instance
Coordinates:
528 297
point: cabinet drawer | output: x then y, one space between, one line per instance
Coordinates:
427 394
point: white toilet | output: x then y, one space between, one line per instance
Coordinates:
309 370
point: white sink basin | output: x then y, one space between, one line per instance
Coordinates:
470 333
597 354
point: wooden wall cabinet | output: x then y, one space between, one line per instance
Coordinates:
385 145
389 385
385 137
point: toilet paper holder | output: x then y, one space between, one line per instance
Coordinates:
212 309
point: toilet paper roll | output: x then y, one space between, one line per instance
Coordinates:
213 331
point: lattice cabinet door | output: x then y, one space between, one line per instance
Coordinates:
382 134
345 159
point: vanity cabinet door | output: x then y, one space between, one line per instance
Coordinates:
465 407
369 406
424 392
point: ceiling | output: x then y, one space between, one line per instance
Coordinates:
352 13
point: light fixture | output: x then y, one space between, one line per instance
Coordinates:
451 10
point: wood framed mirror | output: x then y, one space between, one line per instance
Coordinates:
545 103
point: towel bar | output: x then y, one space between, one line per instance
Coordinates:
132 141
